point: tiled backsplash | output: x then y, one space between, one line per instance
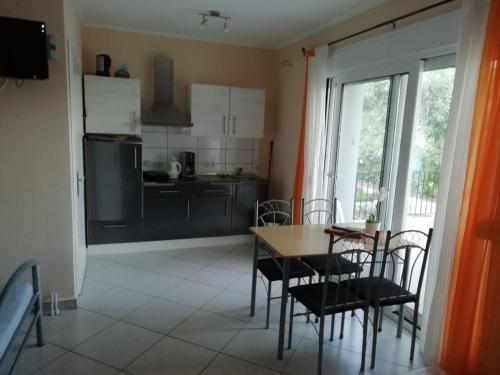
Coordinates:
213 154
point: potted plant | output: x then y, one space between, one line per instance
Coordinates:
372 223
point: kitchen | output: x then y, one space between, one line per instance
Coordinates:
200 169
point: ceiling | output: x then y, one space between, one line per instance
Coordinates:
260 23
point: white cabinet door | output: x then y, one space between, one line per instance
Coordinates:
209 110
247 107
112 105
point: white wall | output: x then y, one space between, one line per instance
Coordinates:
35 189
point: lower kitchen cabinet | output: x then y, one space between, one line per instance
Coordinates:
106 232
198 210
243 205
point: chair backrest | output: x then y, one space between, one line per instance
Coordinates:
319 211
361 250
273 212
405 259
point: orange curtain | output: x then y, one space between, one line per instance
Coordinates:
299 168
471 341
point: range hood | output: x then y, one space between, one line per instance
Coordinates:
163 111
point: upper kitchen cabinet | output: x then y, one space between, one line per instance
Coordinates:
246 109
112 105
209 110
223 111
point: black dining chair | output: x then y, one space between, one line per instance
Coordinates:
324 211
328 297
403 268
269 213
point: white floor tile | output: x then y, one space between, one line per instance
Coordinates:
259 346
234 262
152 283
208 329
93 289
200 255
145 260
73 327
225 365
160 315
180 268
74 364
32 358
216 276
118 345
116 274
172 357
192 293
231 304
117 303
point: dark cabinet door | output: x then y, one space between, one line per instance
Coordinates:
211 215
113 181
243 205
166 215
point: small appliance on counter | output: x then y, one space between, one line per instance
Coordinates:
175 168
155 176
103 63
187 163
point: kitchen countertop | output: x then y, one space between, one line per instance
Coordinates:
211 179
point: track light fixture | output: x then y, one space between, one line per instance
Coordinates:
214 14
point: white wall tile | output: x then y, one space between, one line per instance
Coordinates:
239 156
153 129
245 167
181 141
239 143
154 158
150 139
211 156
204 168
211 142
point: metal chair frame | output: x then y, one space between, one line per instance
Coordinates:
354 254
34 305
392 256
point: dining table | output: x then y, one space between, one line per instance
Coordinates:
290 242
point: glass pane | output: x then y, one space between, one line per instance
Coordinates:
363 124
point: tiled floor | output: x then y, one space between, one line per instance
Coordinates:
187 312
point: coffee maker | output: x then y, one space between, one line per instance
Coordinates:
187 162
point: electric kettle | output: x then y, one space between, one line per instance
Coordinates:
175 168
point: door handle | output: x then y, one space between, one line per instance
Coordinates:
234 125
224 124
135 157
227 206
115 226
78 180
188 209
215 191
169 191
237 197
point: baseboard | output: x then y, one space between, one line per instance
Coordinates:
64 304
188 243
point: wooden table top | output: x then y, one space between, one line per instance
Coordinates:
298 240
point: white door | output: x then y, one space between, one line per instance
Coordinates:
247 107
76 129
112 105
209 110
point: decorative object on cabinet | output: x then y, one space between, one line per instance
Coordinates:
122 71
225 111
102 63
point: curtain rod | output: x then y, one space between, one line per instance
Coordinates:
391 21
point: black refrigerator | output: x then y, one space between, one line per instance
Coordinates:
113 188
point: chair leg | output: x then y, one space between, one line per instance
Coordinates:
320 346
332 325
35 273
316 320
400 321
341 336
375 330
414 331
290 323
268 303
381 319
307 311
366 312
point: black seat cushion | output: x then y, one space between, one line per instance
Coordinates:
272 272
340 265
339 298
388 292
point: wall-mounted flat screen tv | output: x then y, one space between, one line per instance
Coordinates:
23 49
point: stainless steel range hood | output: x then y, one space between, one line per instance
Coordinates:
164 112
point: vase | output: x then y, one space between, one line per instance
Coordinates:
371 228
